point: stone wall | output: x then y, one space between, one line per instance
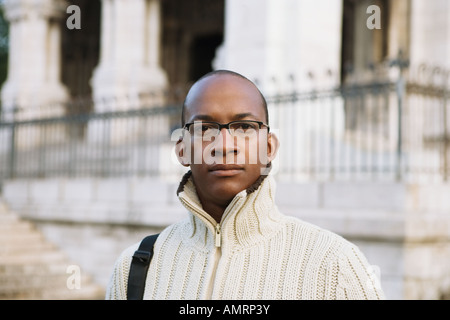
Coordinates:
402 229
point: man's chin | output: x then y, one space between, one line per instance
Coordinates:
222 185
226 187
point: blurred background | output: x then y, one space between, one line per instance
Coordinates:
91 92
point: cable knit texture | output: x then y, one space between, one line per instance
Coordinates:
254 253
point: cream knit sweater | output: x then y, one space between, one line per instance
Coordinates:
254 253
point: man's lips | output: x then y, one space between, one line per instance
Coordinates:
225 170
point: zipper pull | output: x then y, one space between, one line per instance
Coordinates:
218 239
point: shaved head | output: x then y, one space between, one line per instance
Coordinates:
220 73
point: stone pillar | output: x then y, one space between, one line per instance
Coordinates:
430 33
274 39
129 58
399 28
33 83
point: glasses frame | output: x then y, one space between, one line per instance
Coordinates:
227 125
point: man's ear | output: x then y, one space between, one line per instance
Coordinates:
181 153
272 146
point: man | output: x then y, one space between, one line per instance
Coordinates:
235 244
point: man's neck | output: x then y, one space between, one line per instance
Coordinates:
213 207
214 210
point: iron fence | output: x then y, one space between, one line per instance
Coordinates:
376 130
112 143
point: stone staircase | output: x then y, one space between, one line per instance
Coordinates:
33 268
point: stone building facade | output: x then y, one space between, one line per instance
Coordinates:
133 47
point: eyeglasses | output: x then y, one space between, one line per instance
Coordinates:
242 128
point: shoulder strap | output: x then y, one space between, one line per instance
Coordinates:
139 267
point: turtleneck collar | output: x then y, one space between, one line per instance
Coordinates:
249 218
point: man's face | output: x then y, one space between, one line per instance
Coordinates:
225 98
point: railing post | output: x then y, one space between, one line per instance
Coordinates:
445 125
12 147
402 64
400 87
106 145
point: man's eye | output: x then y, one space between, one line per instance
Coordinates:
245 126
206 128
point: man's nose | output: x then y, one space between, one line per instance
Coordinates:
228 143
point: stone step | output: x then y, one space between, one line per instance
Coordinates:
12 239
22 238
33 268
35 257
38 280
32 281
15 225
26 248
91 292
6 219
25 269
50 288
45 281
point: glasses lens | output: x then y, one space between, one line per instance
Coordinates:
244 127
204 129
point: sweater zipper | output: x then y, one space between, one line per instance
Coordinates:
216 259
217 238
218 250
217 256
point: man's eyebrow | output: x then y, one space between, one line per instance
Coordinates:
202 117
238 116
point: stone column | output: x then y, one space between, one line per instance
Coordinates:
129 58
399 28
274 39
430 33
33 83
129 75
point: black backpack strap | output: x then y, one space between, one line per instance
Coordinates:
139 267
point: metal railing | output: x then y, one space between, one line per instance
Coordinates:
366 130
112 143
